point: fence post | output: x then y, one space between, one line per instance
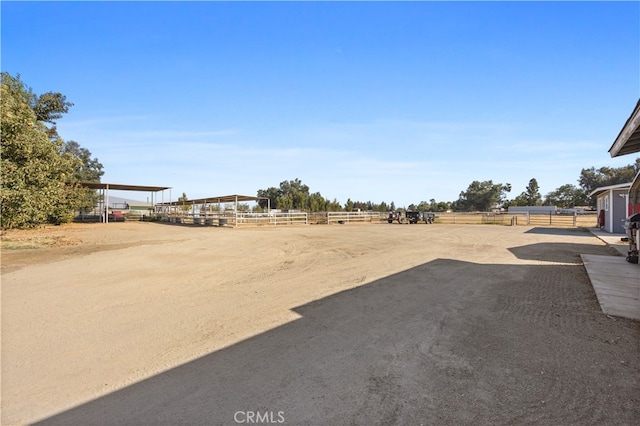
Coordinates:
575 219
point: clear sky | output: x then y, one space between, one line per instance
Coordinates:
373 101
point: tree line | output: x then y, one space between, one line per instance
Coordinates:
479 196
41 173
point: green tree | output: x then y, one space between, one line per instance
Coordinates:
285 201
317 203
566 196
334 206
296 192
292 194
423 206
482 196
272 194
593 178
348 205
49 107
87 169
443 206
183 204
39 184
530 197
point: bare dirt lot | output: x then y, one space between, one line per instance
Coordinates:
145 323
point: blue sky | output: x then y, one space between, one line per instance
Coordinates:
379 101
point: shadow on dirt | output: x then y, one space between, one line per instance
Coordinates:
447 342
560 252
573 232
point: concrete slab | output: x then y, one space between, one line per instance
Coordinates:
612 240
616 283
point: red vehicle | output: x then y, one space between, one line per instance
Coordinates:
116 216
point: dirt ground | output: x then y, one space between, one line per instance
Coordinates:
148 323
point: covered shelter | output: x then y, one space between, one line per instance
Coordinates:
628 142
218 199
104 188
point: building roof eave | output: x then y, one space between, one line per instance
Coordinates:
628 140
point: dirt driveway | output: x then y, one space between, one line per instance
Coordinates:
142 323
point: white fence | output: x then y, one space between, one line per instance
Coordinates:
526 219
355 217
274 219
239 219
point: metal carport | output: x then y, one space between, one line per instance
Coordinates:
224 199
105 187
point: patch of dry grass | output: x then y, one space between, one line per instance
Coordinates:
34 239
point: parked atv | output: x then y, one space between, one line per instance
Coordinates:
412 217
428 217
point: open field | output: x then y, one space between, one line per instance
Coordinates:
149 323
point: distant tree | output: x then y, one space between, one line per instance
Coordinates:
182 203
482 196
423 206
593 178
566 196
348 205
298 192
292 194
272 194
285 202
334 206
317 203
362 205
530 197
443 206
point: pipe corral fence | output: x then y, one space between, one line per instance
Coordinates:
575 220
354 217
232 219
244 219
277 218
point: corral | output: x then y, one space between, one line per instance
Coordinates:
148 323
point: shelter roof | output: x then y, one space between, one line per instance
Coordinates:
122 187
620 186
628 140
222 199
